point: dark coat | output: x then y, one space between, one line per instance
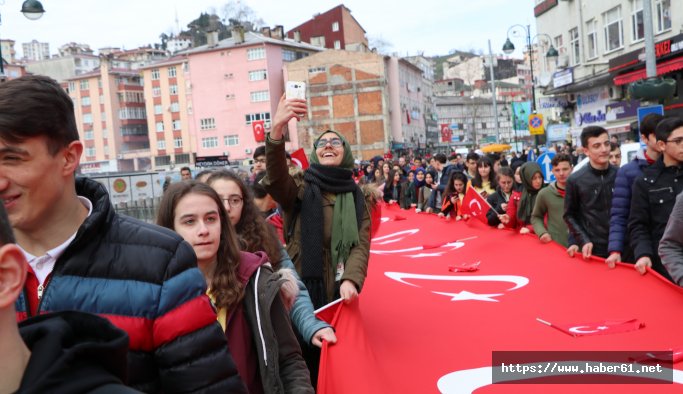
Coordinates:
145 280
587 203
621 206
74 352
496 200
654 195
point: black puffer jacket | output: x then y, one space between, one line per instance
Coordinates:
74 352
587 204
653 198
145 280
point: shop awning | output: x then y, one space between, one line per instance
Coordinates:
662 68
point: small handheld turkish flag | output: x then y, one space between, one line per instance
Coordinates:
597 328
300 159
475 205
259 130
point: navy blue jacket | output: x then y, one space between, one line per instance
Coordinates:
621 206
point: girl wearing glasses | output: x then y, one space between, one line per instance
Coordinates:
327 212
243 287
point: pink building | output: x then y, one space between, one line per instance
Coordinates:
233 83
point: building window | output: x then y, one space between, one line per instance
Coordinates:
614 30
88 135
160 126
156 91
207 124
90 152
99 83
337 44
663 15
171 72
260 96
161 144
155 74
182 158
265 116
106 150
210 142
318 41
85 101
258 75
101 99
175 107
256 53
335 26
289 55
173 89
84 84
105 133
158 109
637 23
87 118
592 36
177 142
176 125
574 46
231 140
559 44
72 87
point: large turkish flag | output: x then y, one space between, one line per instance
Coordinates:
419 328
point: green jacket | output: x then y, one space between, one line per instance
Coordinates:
550 202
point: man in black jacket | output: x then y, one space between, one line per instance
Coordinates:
654 195
588 196
83 256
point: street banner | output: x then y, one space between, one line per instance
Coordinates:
520 113
419 327
446 132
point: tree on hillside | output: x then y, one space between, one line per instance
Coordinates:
380 45
237 13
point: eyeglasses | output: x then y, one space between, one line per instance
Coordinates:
335 142
234 201
260 161
677 141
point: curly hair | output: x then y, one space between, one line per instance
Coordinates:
255 234
225 286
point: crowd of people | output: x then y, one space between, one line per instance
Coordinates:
220 295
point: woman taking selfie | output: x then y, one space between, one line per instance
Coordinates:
330 241
243 288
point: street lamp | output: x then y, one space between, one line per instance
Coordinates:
552 53
32 9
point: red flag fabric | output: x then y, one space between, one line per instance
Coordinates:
300 159
597 328
259 130
475 205
446 133
418 328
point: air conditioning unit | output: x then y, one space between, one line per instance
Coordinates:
616 93
563 61
247 151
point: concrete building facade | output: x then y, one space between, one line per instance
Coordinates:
36 51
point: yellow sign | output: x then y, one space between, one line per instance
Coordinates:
536 124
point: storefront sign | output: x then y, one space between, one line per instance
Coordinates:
632 59
622 110
211 161
590 107
563 78
552 102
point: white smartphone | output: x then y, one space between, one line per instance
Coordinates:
296 90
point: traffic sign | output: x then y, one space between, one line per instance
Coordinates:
652 109
536 124
544 161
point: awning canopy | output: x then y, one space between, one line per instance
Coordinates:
662 68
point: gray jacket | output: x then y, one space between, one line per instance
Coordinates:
671 245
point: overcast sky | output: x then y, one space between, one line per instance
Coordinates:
433 26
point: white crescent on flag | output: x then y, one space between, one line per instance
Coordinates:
478 206
297 162
582 330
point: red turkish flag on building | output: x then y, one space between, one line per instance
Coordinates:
475 205
597 328
446 133
300 159
259 130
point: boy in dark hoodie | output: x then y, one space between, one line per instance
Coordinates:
65 352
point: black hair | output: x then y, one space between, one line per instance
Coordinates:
450 189
6 233
591 132
440 157
259 151
667 126
257 188
472 156
649 124
36 105
559 158
477 181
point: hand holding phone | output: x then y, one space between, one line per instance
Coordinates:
295 90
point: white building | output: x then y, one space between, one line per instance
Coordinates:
36 51
601 46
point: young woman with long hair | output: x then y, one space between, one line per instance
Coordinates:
484 181
453 196
499 200
243 287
